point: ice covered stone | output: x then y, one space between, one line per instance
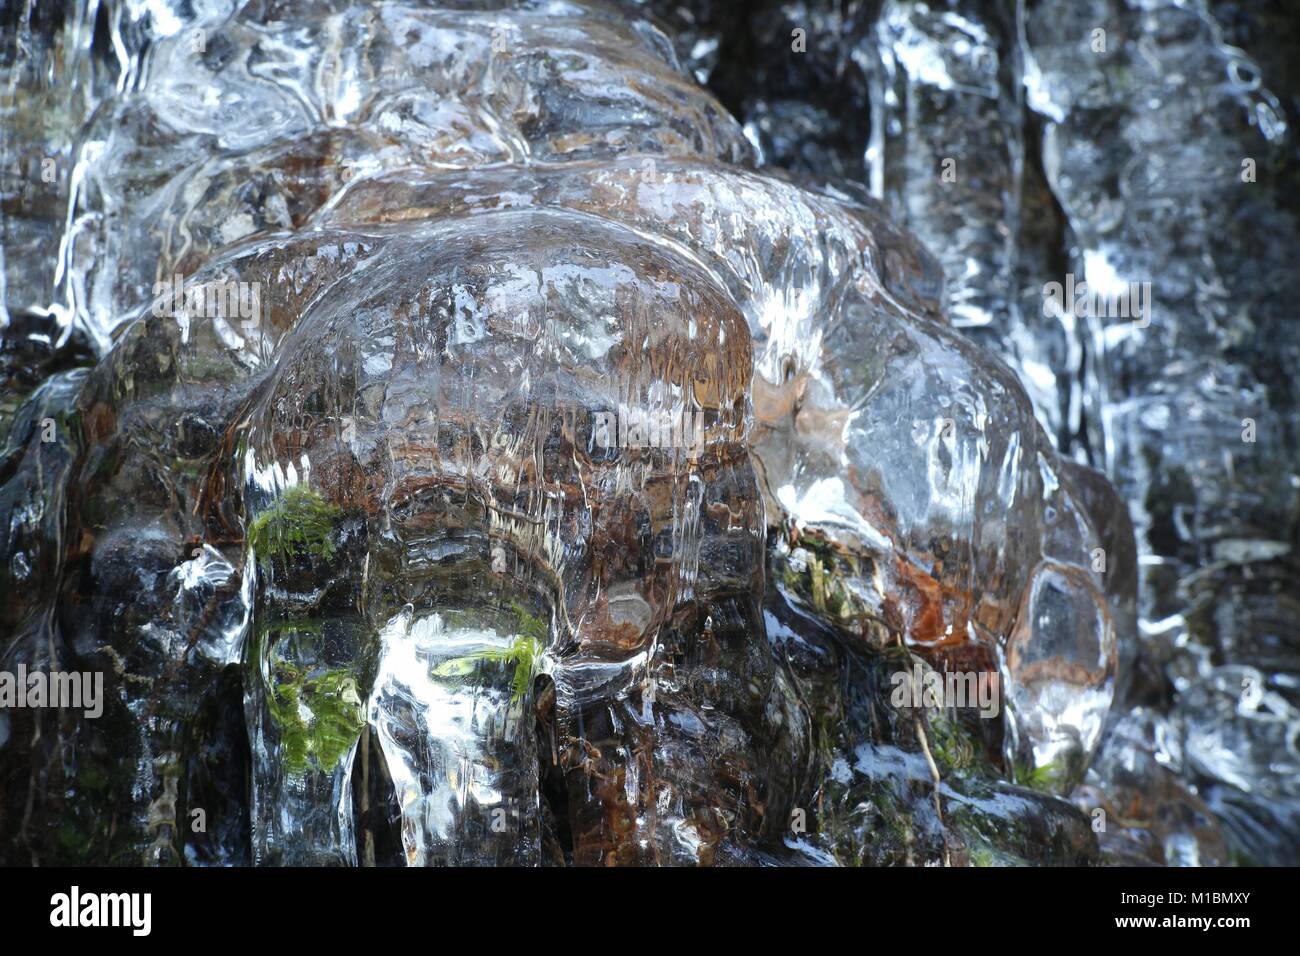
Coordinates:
254 130
473 411
528 478
1061 669
1153 165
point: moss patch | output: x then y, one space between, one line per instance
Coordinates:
299 521
522 654
319 717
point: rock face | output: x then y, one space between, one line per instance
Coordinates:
487 463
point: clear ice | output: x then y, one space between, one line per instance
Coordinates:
457 440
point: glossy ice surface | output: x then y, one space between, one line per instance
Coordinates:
478 454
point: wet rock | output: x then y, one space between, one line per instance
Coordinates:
531 480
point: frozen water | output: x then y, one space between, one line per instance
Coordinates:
486 449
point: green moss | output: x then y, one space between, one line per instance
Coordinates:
521 654
312 626
299 521
826 727
981 856
1036 778
1238 856
530 625
318 717
984 854
953 747
820 583
877 832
